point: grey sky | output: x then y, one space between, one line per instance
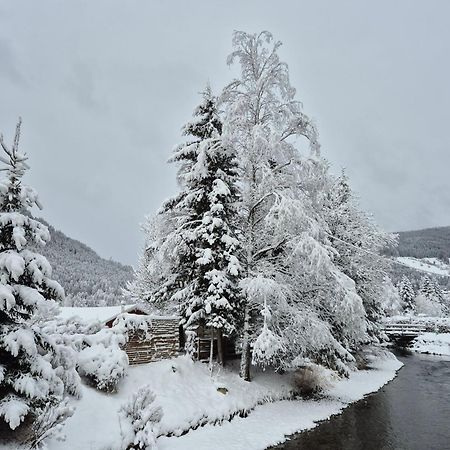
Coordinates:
105 86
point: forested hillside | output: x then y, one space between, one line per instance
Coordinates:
86 278
426 243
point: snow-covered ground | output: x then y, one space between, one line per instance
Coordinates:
189 397
433 343
271 423
430 265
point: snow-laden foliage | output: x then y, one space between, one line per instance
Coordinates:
428 306
311 380
95 350
49 424
196 257
359 243
315 307
392 303
102 361
139 419
407 294
190 346
304 258
430 289
36 369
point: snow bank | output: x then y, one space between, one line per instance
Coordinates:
189 397
185 391
433 343
269 424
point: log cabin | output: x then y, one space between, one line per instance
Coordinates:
149 337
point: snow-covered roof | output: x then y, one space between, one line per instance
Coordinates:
104 313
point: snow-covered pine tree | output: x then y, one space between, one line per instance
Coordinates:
407 294
437 292
32 373
427 288
197 246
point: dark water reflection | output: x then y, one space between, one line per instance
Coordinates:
410 413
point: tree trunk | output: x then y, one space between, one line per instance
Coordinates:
211 351
220 353
245 356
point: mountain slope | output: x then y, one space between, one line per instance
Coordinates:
88 279
426 243
423 251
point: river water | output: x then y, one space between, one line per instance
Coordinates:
412 412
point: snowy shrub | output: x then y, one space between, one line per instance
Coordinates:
310 380
139 419
190 347
266 348
428 306
49 422
103 362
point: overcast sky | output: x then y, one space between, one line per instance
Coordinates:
105 86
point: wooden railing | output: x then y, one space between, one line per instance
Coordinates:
403 329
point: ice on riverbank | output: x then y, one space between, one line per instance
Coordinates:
190 397
433 343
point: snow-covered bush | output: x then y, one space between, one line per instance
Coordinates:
102 361
190 346
266 348
310 380
49 422
428 307
392 300
139 419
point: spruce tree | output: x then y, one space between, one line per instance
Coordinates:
437 292
32 373
427 288
407 294
200 237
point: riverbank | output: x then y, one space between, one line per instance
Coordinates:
260 429
432 344
411 412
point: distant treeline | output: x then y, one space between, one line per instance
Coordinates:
427 243
88 279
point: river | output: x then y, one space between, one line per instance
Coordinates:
412 412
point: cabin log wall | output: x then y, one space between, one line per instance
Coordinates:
161 342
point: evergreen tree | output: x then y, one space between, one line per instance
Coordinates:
197 243
427 288
33 366
407 294
437 292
